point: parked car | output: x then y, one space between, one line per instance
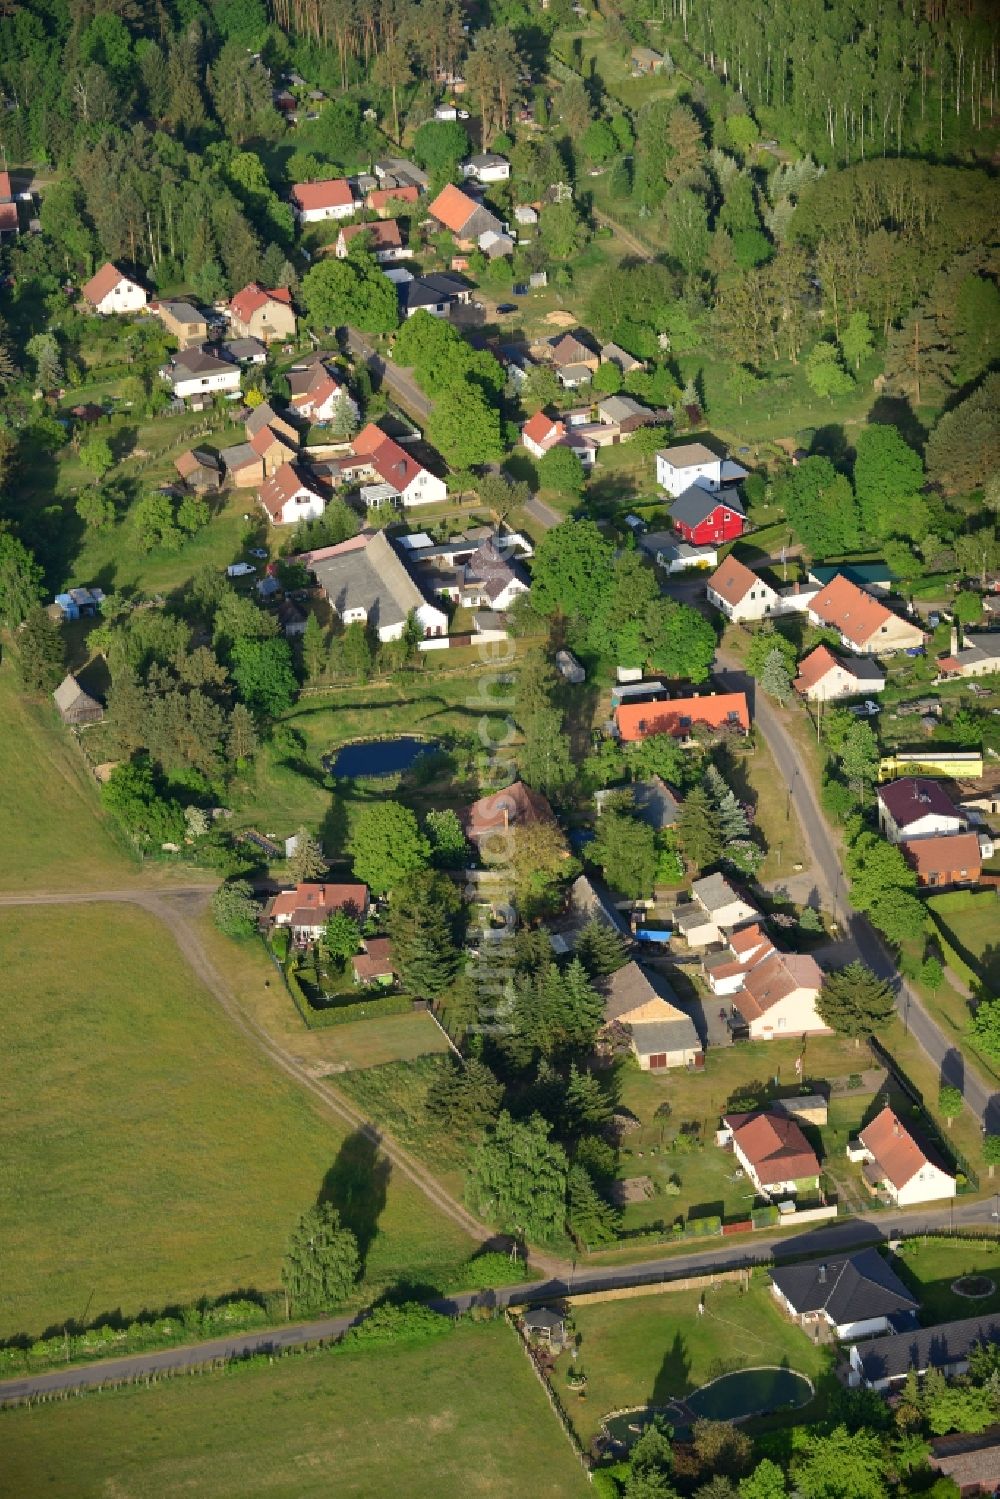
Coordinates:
504 307
240 569
260 552
867 709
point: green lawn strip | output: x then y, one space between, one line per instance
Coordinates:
395 1096
214 1156
930 1267
53 834
647 1349
964 1132
460 1415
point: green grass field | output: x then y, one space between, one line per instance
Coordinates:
930 1266
647 1349
461 1416
53 835
151 1155
973 933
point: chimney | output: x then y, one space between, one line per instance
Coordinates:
954 640
896 1127
822 1275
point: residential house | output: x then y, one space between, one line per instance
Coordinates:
895 1164
588 901
715 908
397 172
466 219
183 321
405 481
882 1363
275 441
854 1295
382 238
873 577
578 349
200 469
642 1005
624 414
365 581
267 315
318 396
243 466
375 965
491 579
76 707
612 353
289 496
778 997
945 859
971 1462
492 816
681 716
978 657
111 291
245 351
487 167
773 1152
315 201
692 463
8 208
541 433
865 625
740 593
916 807
79 603
668 550
726 967
384 200
197 375
291 618
436 293
307 909
702 516
824 677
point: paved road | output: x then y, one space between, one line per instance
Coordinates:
836 1238
860 938
543 513
400 381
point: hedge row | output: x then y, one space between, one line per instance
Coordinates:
362 1009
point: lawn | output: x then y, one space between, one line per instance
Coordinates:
395 1096
930 1266
214 1153
974 933
462 1415
54 837
646 1349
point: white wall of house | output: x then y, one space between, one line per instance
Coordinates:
838 683
676 480
317 215
930 825
930 1184
125 296
795 1015
758 602
660 1061
424 489
303 505
226 382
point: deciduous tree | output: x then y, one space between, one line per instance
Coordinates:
321 1263
387 845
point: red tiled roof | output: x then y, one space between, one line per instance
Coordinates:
896 1152
376 962
335 192
638 720
774 979
515 805
913 797
311 905
368 439
945 855
847 608
453 208
814 667
280 488
103 281
8 215
382 196
775 1146
733 580
252 297
384 234
6 191
538 427
265 438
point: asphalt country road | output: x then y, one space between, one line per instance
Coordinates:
859 935
837 1237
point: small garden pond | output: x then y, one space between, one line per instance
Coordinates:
750 1392
379 757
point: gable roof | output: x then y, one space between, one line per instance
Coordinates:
453 208
590 901
679 715
774 979
774 1145
633 990
847 608
895 1151
265 438
376 961
253 297
193 459
538 427
384 234
103 281
926 1347
574 348
282 486
393 466
311 904
366 573
69 694
197 361
714 892
333 192
944 854
265 415
733 580
913 797
488 566
688 455
696 504
852 1288
516 805
380 197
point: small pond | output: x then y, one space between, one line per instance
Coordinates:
379 757
750 1392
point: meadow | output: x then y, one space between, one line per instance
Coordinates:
460 1415
151 1156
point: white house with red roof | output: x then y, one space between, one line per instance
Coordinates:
864 624
257 313
773 1152
778 997
385 242
317 395
740 593
289 496
404 481
308 908
917 807
541 432
726 968
824 677
315 201
110 291
894 1163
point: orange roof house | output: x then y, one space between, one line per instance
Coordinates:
515 806
331 199
308 907
944 859
679 716
463 216
381 199
864 624
773 1151
267 315
896 1164
110 290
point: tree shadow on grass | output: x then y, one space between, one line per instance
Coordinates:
357 1185
674 1377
